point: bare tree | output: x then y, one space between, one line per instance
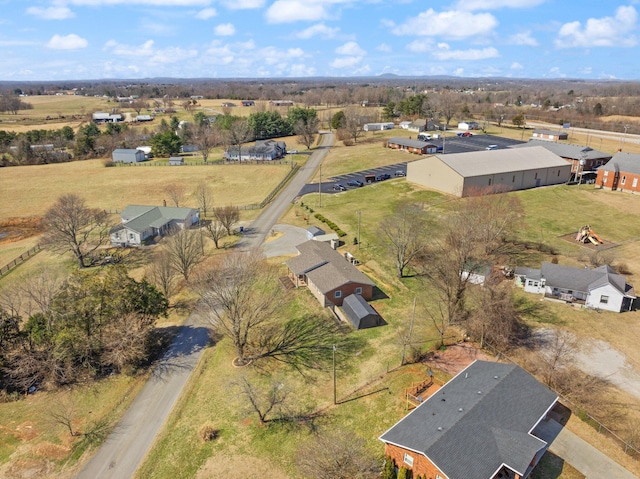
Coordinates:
307 131
239 295
162 273
354 123
184 247
215 230
228 216
64 412
448 104
41 289
71 226
557 351
204 197
404 234
337 455
206 139
265 404
139 105
176 193
238 133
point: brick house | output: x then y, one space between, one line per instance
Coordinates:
550 135
412 146
621 173
481 424
329 275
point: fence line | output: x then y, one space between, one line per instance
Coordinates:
20 259
280 185
582 413
209 163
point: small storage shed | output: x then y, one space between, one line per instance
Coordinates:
313 231
176 161
360 313
122 155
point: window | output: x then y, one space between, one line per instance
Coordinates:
604 299
558 172
635 182
624 180
358 291
408 459
513 179
606 173
536 177
489 181
337 294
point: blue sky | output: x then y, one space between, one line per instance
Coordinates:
94 39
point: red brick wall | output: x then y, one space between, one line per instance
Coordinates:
347 289
421 465
611 181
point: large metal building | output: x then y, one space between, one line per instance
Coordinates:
479 172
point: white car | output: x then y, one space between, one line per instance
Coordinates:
292 152
491 147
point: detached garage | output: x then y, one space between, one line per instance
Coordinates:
360 313
479 172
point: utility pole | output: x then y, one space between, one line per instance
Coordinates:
320 187
358 229
335 397
407 339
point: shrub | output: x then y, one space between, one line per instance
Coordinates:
623 268
403 473
348 142
208 433
108 163
389 471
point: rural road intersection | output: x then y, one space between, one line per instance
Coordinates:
126 447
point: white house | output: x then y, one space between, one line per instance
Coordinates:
379 126
122 155
142 222
600 288
468 125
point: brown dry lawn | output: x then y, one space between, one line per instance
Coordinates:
33 189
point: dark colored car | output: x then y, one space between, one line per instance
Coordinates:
384 176
339 187
354 183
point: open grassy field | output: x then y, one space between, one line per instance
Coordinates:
33 189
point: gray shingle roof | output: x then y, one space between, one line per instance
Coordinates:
573 152
358 311
627 162
141 218
479 163
478 421
407 142
581 279
325 267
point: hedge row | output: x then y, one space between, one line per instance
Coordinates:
331 225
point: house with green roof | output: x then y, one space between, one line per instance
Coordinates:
140 223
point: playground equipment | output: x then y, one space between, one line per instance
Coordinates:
587 235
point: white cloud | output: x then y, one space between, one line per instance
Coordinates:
225 30
287 11
419 46
172 55
51 13
345 62
449 24
243 4
206 14
163 3
69 42
445 53
383 47
350 48
516 66
523 38
586 71
144 50
458 72
556 73
301 70
601 32
496 4
320 30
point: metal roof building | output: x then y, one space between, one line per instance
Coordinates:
494 171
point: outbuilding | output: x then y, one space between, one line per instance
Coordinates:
359 313
176 161
496 171
122 155
550 135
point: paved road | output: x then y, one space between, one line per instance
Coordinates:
580 454
126 447
621 136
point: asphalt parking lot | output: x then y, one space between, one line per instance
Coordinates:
452 143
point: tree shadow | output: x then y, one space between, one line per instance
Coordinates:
187 342
355 398
378 294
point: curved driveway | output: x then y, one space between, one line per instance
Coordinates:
125 448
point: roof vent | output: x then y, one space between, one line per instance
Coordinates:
439 428
460 409
479 392
443 399
495 377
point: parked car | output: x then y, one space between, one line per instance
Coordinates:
382 177
465 134
424 137
355 183
292 152
339 187
400 173
491 147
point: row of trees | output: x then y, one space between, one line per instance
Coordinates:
56 331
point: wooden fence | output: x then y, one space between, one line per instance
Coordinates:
208 163
20 259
